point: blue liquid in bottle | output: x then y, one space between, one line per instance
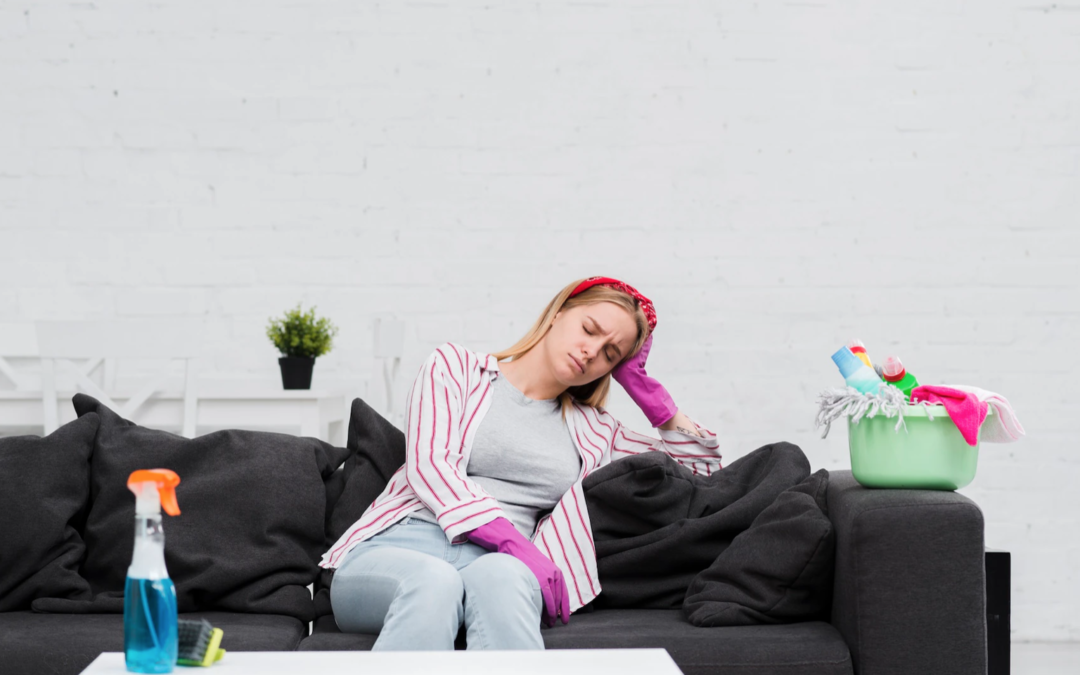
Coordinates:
150 625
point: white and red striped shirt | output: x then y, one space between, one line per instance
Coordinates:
446 404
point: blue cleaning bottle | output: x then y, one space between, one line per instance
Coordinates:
150 620
856 373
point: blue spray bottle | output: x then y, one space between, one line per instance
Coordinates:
856 373
150 621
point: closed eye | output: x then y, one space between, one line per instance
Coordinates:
607 354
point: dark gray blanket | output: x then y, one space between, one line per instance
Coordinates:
657 525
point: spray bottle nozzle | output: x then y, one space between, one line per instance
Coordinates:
164 482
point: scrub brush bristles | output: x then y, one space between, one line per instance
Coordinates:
198 643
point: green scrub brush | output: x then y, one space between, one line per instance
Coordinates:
199 643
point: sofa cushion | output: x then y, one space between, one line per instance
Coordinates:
813 648
777 571
326 637
376 450
64 644
43 503
252 523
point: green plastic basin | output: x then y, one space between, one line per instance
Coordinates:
930 455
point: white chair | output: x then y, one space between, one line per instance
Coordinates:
17 341
389 345
102 343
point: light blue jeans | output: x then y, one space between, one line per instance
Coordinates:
414 588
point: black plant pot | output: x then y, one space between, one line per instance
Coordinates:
296 371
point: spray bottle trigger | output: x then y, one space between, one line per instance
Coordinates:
168 501
165 481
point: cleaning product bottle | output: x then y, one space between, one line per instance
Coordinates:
150 635
894 373
859 349
856 373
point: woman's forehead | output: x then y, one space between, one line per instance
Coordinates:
611 317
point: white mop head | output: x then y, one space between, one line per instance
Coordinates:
839 402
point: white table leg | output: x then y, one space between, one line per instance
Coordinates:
336 433
309 420
48 396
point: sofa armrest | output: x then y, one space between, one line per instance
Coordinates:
910 590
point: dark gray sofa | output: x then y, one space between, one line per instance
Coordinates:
909 597
908 589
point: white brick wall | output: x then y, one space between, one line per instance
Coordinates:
778 177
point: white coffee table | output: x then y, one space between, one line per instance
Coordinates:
459 662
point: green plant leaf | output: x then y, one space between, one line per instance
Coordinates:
300 333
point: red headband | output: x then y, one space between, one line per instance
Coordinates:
646 304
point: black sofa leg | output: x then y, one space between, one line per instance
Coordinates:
998 607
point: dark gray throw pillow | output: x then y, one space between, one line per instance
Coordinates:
376 450
252 522
780 570
43 500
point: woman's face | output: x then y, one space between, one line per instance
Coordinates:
586 342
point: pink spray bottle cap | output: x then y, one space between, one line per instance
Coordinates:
893 370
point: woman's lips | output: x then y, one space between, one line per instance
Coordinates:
577 363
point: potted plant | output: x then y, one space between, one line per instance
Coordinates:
300 338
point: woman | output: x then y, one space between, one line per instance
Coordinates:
486 521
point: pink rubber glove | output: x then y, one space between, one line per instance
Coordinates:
650 395
501 535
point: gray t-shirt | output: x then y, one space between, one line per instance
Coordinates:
522 455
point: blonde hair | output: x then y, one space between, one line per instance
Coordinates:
594 393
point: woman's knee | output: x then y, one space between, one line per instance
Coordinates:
436 580
384 575
498 570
